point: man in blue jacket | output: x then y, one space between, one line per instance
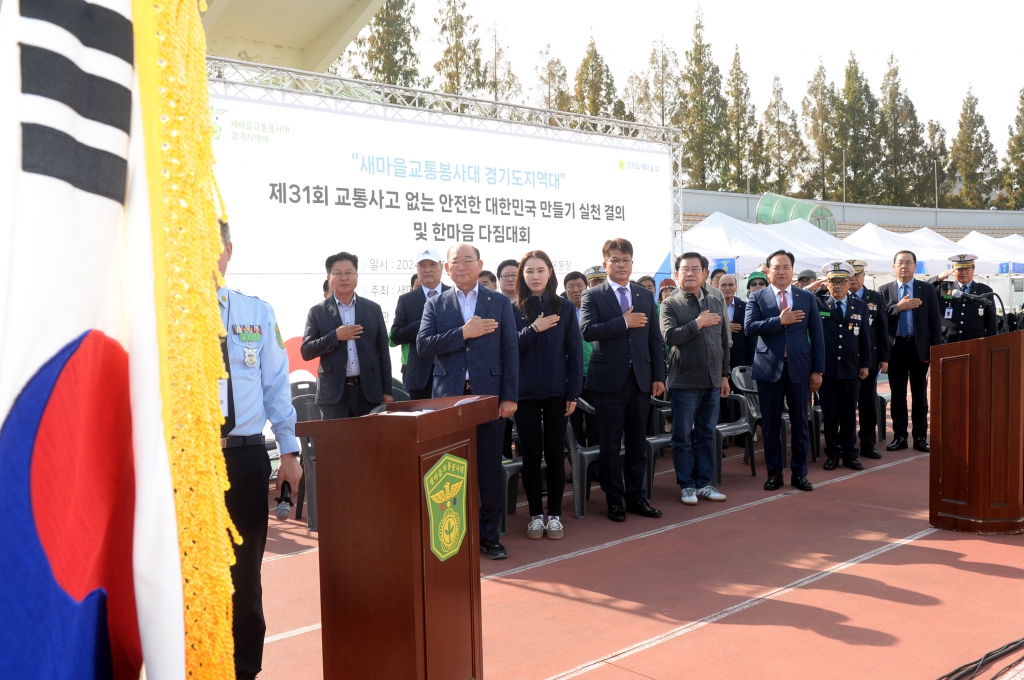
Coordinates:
470 333
788 363
627 367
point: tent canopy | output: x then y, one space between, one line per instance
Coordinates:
932 239
800 233
990 250
931 259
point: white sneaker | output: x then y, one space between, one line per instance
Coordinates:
710 493
554 529
689 497
535 529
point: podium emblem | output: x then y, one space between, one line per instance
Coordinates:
445 486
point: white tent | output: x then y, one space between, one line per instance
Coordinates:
1015 240
800 233
719 236
931 260
933 239
990 250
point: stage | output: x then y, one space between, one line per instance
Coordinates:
847 581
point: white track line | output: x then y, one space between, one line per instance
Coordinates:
291 554
670 527
291 633
735 609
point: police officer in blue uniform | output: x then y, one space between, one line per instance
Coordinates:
964 319
256 390
844 324
878 331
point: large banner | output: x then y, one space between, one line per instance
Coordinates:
305 179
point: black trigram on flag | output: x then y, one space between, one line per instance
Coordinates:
76 79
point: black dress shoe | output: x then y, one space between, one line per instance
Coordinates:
922 445
896 444
616 512
853 464
774 482
494 550
870 453
830 464
801 483
641 507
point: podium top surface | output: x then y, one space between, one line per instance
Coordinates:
408 421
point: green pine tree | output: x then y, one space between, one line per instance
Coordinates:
460 68
552 89
782 149
858 136
820 108
501 83
663 84
936 166
704 119
973 158
740 129
595 86
1012 195
904 179
385 50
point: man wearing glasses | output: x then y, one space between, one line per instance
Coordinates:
470 334
507 278
627 367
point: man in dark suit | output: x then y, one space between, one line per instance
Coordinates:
469 333
627 367
742 351
348 333
418 378
914 326
964 319
878 333
788 363
844 325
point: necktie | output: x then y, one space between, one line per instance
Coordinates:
783 306
967 288
842 311
623 300
431 293
229 420
903 327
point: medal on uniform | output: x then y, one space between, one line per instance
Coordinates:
250 356
856 330
248 333
981 311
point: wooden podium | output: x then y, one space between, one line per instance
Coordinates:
391 607
977 447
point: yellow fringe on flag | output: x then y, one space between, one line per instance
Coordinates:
170 58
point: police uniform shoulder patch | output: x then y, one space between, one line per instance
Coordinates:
280 341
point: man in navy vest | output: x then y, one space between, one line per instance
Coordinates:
418 377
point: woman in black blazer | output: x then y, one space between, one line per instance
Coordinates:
550 379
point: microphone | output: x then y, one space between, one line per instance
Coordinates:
284 502
957 293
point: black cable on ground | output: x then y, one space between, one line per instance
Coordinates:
1009 666
975 666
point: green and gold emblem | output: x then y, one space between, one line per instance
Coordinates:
445 486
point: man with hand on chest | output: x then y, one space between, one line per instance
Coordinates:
844 325
964 318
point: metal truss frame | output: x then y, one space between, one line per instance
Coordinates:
233 78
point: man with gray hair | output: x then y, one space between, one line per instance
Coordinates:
695 327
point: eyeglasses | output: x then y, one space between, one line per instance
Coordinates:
507 277
624 262
690 270
469 261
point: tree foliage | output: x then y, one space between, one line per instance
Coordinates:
385 50
552 89
664 86
595 87
703 116
782 153
499 79
820 109
1012 196
740 129
903 178
973 158
460 69
858 135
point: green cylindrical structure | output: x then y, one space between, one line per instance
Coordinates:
774 209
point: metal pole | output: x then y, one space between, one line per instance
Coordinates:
935 163
748 184
844 176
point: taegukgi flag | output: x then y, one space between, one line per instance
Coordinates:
89 545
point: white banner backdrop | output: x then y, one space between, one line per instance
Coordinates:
311 177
